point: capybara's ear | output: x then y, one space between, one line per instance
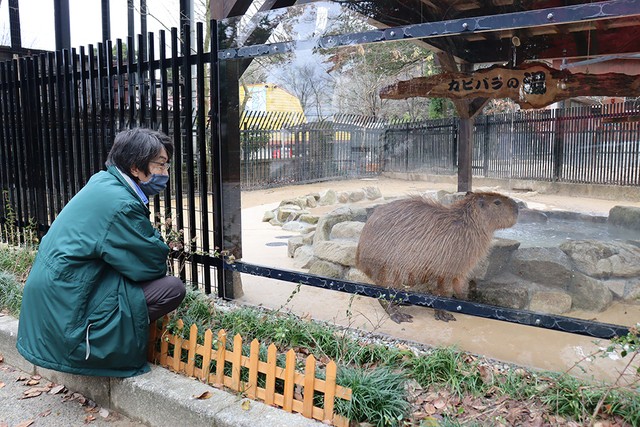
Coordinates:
481 202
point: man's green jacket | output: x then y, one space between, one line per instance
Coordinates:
83 310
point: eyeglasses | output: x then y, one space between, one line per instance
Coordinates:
164 165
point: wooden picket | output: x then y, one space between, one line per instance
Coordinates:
299 388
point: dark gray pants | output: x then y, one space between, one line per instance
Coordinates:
163 295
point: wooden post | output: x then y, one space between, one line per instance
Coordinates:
465 153
254 354
206 355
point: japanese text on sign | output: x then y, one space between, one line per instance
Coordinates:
532 83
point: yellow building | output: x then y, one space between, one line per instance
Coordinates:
268 106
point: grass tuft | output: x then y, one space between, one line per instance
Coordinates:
446 366
16 260
378 396
10 293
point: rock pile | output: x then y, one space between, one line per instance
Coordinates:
577 275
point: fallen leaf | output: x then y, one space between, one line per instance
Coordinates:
89 418
204 395
36 377
1 384
32 382
1 358
36 389
430 409
57 389
25 423
439 403
45 413
22 378
485 374
246 404
297 392
80 398
30 395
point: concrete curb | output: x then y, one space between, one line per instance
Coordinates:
158 398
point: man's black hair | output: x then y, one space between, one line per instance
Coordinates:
137 147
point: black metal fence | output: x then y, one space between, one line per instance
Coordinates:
60 112
591 144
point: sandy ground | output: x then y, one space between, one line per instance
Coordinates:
529 346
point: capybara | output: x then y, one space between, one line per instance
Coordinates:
417 244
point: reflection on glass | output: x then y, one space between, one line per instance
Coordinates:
314 116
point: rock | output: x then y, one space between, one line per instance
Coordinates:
355 275
293 244
274 221
311 201
505 290
616 286
341 252
347 230
356 196
527 216
604 259
497 261
372 193
307 239
327 198
625 216
288 213
343 197
576 216
589 294
299 202
327 269
300 227
341 214
437 195
550 301
449 198
548 266
309 219
268 216
303 257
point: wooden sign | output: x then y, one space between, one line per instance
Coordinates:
534 85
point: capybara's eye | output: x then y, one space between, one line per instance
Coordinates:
497 202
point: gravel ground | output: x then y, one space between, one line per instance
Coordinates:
27 400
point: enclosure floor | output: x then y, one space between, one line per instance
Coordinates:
511 343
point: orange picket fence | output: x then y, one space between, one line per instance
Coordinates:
255 378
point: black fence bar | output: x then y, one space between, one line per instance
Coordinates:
522 317
203 148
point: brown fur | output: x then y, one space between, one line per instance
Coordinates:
420 245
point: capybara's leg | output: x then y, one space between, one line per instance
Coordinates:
444 289
460 288
393 310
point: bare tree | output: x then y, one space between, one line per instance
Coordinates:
311 85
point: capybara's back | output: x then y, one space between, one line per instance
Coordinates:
417 242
